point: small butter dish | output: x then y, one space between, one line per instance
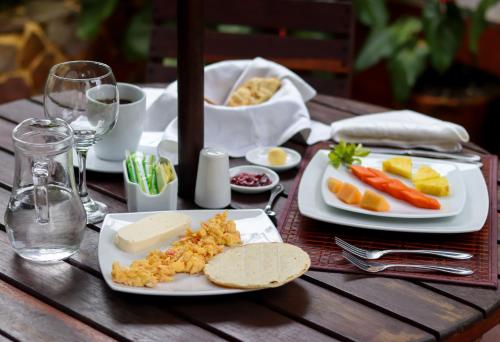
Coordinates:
137 200
259 155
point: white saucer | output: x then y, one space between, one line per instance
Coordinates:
258 156
99 165
273 176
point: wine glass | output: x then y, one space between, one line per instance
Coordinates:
85 95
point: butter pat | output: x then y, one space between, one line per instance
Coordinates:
151 230
276 156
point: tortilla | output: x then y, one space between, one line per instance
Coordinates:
257 266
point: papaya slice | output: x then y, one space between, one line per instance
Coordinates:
420 200
361 172
378 173
378 183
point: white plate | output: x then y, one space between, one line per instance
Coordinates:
99 165
253 225
472 217
273 176
450 205
258 156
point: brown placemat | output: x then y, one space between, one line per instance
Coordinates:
318 238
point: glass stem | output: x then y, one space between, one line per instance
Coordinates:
82 174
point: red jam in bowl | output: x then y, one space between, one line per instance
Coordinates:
250 179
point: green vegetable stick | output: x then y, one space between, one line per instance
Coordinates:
130 168
140 174
154 183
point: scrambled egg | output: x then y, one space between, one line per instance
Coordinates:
187 255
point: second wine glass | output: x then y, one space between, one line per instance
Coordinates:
85 95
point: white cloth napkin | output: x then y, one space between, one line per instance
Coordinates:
404 128
240 129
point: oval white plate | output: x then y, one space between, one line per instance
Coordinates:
258 156
450 205
273 176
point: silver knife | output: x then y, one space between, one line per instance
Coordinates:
462 157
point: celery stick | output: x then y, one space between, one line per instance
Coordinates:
130 168
140 174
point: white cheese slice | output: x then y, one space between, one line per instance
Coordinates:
151 231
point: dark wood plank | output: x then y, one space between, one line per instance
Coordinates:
86 297
405 299
334 53
28 319
350 319
321 16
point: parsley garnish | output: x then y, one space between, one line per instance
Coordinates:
347 154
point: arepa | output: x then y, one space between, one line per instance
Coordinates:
259 265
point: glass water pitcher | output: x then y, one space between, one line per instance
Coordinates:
45 218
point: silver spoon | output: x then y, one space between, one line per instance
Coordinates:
278 189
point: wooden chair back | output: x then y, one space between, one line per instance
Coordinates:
278 27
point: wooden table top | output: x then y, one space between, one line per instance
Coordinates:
70 300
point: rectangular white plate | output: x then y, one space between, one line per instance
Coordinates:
472 217
450 205
253 225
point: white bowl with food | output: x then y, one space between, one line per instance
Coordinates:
250 179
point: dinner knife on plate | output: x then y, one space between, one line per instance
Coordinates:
459 157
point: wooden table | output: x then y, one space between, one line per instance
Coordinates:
70 300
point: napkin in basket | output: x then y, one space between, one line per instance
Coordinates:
240 129
404 128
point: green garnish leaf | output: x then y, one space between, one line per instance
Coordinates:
347 154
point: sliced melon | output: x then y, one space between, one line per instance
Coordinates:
425 172
334 184
434 186
349 194
399 166
373 201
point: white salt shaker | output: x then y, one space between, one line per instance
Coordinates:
213 187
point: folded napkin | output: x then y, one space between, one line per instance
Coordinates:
240 129
404 128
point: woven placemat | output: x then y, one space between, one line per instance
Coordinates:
318 238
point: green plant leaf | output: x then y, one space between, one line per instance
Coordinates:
378 45
405 67
443 31
478 23
93 13
347 154
386 41
138 33
372 13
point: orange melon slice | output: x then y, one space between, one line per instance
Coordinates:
373 201
334 184
349 194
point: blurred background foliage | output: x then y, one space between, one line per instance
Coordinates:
411 44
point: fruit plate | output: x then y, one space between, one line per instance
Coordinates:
470 219
253 224
450 205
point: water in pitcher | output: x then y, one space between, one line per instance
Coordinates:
45 219
57 239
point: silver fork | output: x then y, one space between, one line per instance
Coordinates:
376 254
374 267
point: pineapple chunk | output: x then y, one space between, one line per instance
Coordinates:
349 194
399 166
425 172
434 186
373 201
334 184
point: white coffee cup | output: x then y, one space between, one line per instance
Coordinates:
213 188
128 129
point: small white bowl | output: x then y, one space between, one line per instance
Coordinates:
258 156
273 176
